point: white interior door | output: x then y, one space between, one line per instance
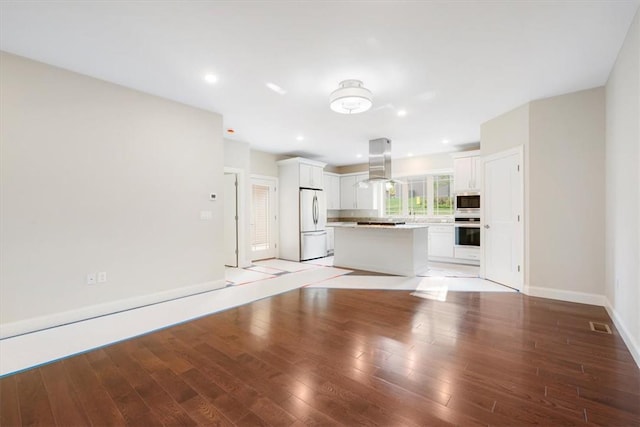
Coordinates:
263 218
503 221
231 219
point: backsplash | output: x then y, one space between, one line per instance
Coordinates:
351 215
354 215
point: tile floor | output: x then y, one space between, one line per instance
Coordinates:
441 277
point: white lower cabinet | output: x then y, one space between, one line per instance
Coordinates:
470 254
330 240
441 241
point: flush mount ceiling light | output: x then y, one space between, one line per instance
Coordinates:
350 98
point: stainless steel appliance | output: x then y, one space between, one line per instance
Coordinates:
313 220
467 204
467 231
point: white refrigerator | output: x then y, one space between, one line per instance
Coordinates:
313 220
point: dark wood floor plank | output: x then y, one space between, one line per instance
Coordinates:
163 406
97 403
9 404
65 402
35 406
348 357
306 413
160 346
204 412
173 385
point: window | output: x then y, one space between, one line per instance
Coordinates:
442 198
417 187
421 195
393 199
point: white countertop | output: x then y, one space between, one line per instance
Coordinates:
390 227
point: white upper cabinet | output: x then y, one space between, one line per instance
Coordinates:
364 194
332 190
348 192
466 172
311 176
354 196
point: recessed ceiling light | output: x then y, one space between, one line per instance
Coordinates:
277 89
402 113
445 141
299 138
409 154
358 155
210 78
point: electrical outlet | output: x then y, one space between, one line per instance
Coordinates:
206 215
91 279
102 277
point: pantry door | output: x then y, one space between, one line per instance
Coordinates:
503 219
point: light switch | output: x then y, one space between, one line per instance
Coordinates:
206 215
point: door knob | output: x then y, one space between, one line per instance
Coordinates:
487 226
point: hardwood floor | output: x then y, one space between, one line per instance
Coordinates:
347 357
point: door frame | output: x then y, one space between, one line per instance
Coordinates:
243 222
275 213
519 151
235 219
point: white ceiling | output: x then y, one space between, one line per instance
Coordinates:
450 64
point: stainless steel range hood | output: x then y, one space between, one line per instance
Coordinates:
379 163
380 159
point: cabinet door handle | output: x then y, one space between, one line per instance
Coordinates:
487 226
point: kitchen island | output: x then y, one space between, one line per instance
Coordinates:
391 249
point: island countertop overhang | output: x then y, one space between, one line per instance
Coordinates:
381 227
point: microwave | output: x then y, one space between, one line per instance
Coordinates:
467 203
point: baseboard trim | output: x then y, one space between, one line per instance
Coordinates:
571 296
629 340
35 324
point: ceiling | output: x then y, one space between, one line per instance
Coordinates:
451 65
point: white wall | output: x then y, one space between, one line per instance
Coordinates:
623 189
566 196
97 177
420 164
406 166
237 159
264 163
509 130
564 139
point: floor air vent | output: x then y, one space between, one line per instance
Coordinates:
603 328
